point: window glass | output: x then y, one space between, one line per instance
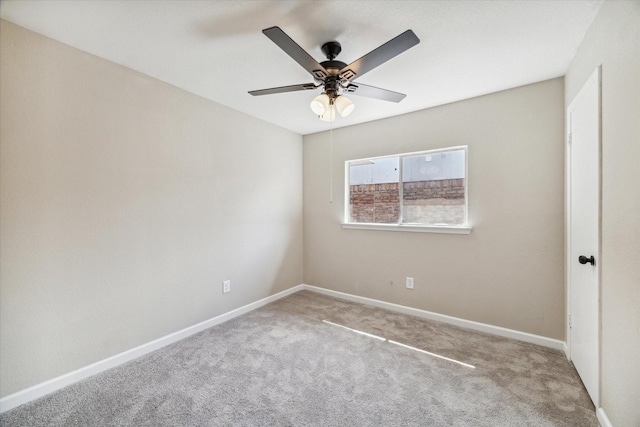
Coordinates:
434 188
426 188
374 191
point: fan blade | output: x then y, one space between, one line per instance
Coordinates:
281 89
374 92
380 55
298 54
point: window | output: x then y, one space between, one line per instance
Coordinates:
424 191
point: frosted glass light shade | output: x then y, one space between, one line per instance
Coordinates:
320 104
329 115
344 105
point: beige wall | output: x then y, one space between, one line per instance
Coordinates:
124 204
509 271
613 41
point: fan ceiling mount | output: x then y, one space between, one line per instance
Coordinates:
335 77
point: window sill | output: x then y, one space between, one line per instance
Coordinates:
445 229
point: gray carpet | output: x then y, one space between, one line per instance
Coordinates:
285 365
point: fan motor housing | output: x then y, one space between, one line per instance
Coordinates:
332 87
333 67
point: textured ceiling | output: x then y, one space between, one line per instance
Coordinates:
216 48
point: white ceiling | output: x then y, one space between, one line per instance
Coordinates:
216 48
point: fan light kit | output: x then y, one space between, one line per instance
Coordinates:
325 107
335 77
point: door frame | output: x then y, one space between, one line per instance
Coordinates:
595 78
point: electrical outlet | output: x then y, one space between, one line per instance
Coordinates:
409 282
226 286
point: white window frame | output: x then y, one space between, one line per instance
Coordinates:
448 229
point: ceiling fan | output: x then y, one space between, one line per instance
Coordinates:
335 77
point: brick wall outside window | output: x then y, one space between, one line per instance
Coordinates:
424 201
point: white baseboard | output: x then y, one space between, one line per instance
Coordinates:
42 389
602 418
565 349
482 327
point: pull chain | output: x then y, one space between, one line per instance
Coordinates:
331 163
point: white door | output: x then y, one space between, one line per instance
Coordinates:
583 255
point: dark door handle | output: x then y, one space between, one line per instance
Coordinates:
584 260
